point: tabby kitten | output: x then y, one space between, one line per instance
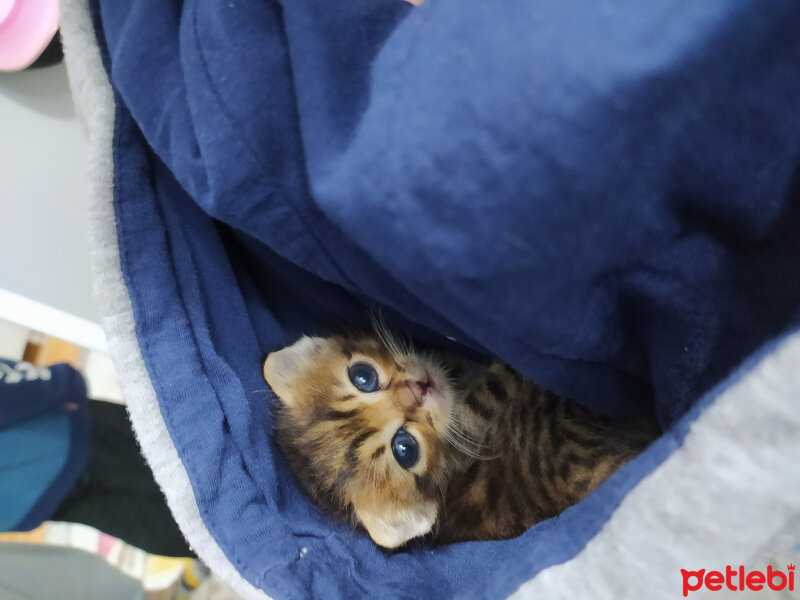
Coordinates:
409 443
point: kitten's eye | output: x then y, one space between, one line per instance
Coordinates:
363 377
405 449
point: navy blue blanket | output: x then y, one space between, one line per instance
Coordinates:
44 440
605 196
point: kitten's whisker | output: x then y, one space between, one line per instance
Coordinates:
467 443
458 429
397 345
456 423
470 453
472 444
458 445
464 438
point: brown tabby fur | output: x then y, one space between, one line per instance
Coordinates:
497 452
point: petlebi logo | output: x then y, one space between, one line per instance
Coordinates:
738 579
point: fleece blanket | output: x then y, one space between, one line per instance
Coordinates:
603 195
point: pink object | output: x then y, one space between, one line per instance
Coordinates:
26 28
105 544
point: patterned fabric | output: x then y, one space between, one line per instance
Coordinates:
44 440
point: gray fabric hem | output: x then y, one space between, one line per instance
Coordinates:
94 102
730 495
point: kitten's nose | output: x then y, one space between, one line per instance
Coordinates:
419 388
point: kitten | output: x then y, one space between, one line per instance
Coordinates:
409 443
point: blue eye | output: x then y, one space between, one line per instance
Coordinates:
405 449
363 377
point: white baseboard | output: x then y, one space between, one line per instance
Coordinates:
51 321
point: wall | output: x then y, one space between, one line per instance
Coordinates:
44 249
45 281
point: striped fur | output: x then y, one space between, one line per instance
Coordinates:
498 453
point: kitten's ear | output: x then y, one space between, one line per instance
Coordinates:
282 367
392 531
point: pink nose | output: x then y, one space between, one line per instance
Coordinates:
418 389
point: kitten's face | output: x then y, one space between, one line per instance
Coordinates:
366 427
